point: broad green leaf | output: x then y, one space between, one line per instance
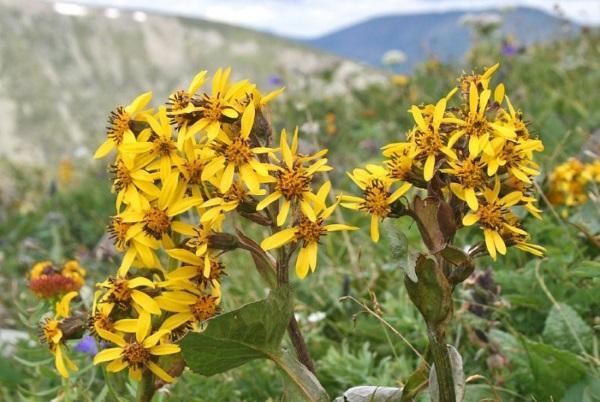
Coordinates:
565 329
554 370
253 331
587 390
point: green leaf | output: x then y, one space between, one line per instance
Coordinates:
554 370
431 294
587 390
565 329
251 332
587 269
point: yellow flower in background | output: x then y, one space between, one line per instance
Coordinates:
307 233
569 182
293 180
118 124
377 195
132 181
136 354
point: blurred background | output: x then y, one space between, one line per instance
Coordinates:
351 69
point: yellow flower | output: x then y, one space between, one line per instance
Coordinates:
223 203
476 126
237 155
467 177
427 137
180 100
293 179
62 307
377 196
136 354
131 181
53 335
402 156
124 293
118 124
188 308
217 107
307 233
494 218
152 222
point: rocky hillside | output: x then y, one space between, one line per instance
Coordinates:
61 74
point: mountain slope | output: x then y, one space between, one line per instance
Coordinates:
60 75
421 35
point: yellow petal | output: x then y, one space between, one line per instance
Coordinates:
227 178
165 349
428 168
109 336
247 120
283 212
489 243
471 199
144 326
334 227
116 365
302 263
185 256
160 373
176 320
375 228
278 239
107 355
470 219
104 149
268 200
145 301
499 243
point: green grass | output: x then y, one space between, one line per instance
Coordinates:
539 318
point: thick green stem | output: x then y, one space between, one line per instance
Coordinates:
443 367
146 390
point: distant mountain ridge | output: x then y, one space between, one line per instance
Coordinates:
439 34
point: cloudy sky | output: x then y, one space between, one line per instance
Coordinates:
308 18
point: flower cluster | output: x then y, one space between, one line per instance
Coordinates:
180 170
570 181
476 155
47 280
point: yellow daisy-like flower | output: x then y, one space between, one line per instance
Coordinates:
182 99
118 124
467 175
377 195
53 335
217 107
308 233
188 308
236 155
136 354
125 293
427 137
476 125
151 224
293 179
131 181
493 216
217 206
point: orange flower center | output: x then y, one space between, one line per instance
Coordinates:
375 199
156 223
238 152
118 123
309 231
292 183
136 354
204 308
121 175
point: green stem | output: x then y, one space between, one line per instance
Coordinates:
146 390
443 367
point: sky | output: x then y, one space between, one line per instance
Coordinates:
312 18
